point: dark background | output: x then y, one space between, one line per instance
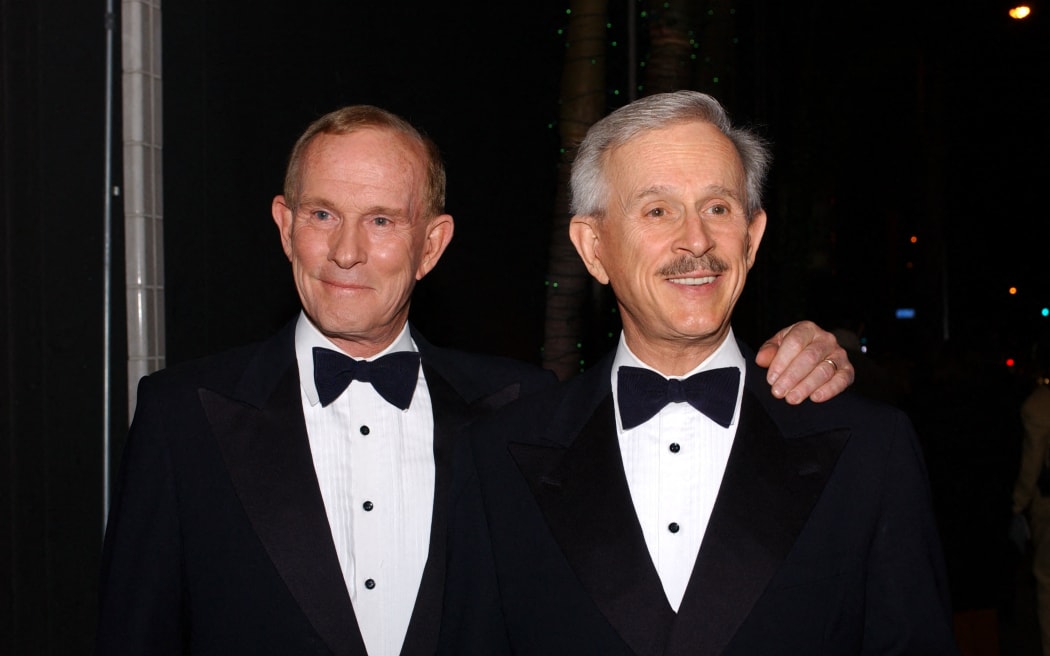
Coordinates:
888 120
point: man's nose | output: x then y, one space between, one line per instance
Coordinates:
694 236
346 245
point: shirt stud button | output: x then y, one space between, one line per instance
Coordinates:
365 430
675 448
673 527
367 505
370 584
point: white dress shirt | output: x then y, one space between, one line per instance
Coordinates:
375 467
674 464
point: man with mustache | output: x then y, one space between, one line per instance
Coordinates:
288 497
662 502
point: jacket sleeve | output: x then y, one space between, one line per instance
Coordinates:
141 590
908 603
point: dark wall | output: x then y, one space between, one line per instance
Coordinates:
52 68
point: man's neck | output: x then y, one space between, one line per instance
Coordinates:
674 358
363 348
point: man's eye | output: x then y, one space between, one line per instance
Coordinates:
321 215
720 210
381 221
656 212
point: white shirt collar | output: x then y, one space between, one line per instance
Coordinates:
307 336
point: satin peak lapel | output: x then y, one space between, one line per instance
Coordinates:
451 412
770 487
268 456
583 495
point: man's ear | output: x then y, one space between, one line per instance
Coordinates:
439 234
284 218
585 231
755 230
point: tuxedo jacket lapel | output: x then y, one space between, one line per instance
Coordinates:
450 413
770 486
581 489
455 402
262 435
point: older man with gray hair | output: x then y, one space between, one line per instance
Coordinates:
663 502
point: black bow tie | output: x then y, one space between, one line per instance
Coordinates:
642 393
393 376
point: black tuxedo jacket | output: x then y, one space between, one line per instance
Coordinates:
218 541
821 541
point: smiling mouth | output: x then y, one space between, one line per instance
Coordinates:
344 285
705 280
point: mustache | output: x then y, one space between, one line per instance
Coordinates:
688 264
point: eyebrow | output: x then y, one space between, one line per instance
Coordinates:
312 202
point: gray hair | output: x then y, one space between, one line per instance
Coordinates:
589 184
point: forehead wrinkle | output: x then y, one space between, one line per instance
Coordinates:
399 162
664 190
655 190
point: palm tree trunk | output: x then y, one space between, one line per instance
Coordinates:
669 67
582 104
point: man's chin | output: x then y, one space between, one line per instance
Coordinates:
703 331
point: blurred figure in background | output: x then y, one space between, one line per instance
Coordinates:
1032 489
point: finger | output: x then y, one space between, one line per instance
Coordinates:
813 369
783 347
765 354
801 377
823 382
835 385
